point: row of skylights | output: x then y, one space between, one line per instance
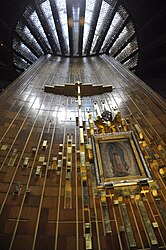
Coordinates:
74 28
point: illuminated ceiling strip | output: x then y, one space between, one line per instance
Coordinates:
70 26
26 42
81 26
123 45
93 25
58 26
108 45
37 35
19 54
133 53
105 27
46 27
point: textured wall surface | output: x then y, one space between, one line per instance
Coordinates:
46 206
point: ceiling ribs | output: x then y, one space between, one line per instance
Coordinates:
125 43
31 44
105 27
95 16
81 26
133 68
58 26
108 44
108 1
19 68
27 44
129 56
46 27
70 25
18 53
20 63
37 35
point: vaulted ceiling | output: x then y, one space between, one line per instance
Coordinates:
132 31
74 28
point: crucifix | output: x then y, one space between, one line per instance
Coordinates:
71 89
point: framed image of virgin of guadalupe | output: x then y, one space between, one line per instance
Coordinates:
118 159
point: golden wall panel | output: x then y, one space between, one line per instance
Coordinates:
61 207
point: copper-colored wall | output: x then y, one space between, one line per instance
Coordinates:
45 218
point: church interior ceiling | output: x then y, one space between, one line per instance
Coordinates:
74 28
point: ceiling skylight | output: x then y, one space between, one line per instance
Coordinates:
74 28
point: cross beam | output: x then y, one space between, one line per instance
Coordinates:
71 89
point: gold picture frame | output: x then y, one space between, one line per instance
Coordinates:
119 160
